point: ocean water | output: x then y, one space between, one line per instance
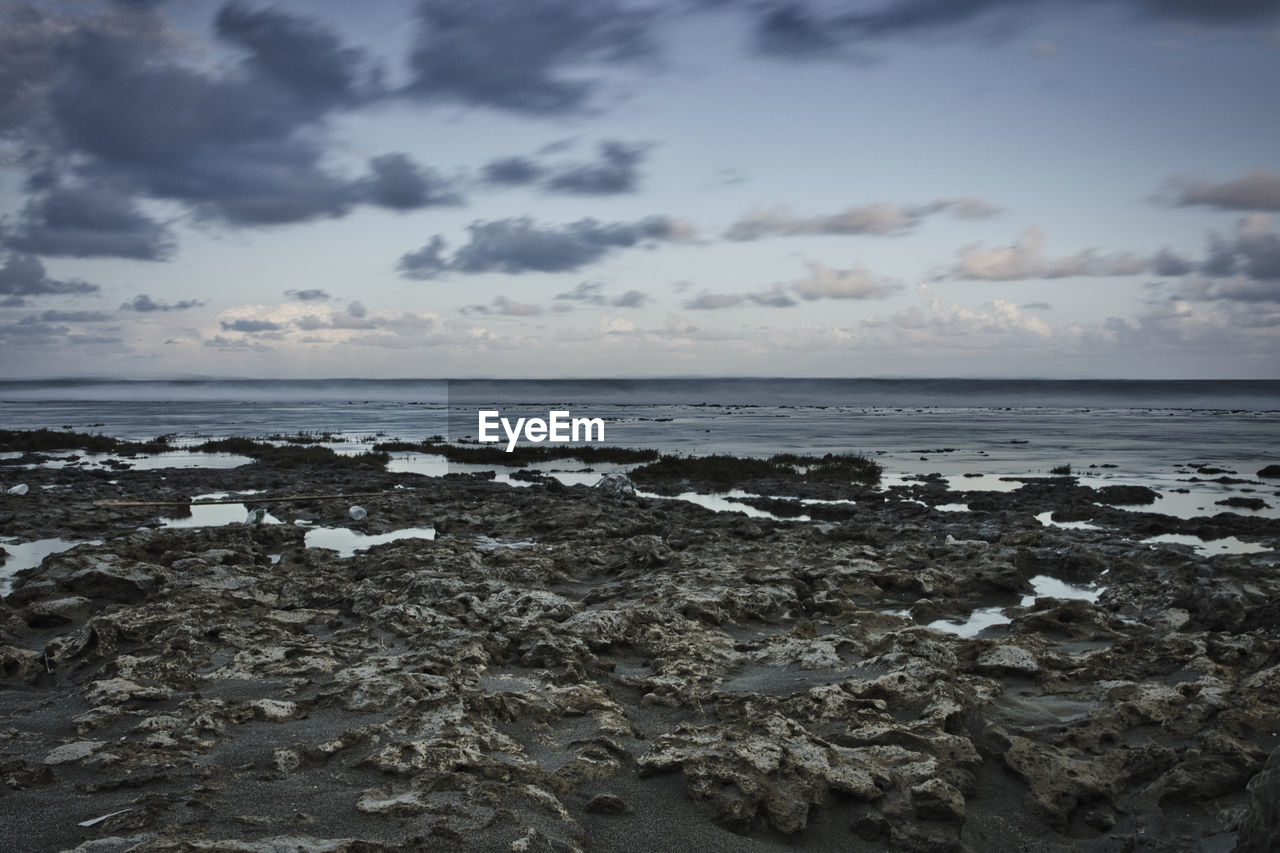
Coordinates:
1109 432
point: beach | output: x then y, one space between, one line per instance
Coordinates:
519 660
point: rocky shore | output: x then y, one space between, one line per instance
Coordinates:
562 669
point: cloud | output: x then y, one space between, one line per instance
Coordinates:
1025 260
221 342
1256 190
933 320
630 299
234 145
250 326
524 56
880 219
144 304
1169 263
298 53
108 98
308 295
592 294
24 275
775 297
74 317
1259 247
826 282
512 171
520 245
398 183
505 307
799 29
88 222
714 301
615 172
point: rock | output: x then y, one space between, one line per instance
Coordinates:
1126 495
1269 471
1259 829
1008 659
274 710
119 691
77 751
606 804
1243 503
772 768
128 584
936 800
21 666
56 611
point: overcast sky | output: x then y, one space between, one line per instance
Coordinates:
551 188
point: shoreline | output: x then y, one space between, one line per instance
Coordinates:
562 669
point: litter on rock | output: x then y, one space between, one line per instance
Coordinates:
616 483
97 820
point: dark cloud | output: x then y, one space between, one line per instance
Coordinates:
504 307
706 301
520 245
300 54
512 171
88 222
250 326
222 342
1259 247
775 297
630 299
1252 250
522 55
400 184
24 275
1221 258
1257 190
234 147
1243 267
144 304
805 29
592 294
107 98
880 219
74 317
309 295
92 340
615 172
1168 263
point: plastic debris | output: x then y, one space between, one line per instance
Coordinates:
255 516
616 483
101 818
20 489
357 513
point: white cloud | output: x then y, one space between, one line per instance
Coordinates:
1025 260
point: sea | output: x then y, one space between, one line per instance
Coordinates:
976 432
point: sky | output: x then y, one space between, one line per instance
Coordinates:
563 188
